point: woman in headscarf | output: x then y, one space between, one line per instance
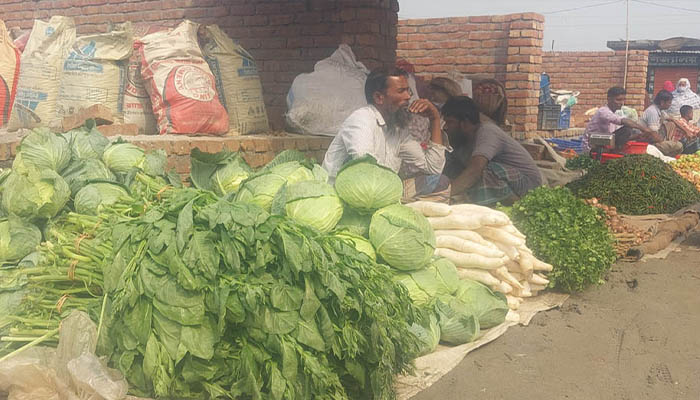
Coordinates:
683 96
668 85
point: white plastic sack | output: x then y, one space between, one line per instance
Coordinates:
70 372
320 101
237 82
40 73
95 73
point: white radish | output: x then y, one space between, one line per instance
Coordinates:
431 209
539 265
455 221
510 251
513 231
527 263
513 302
499 235
467 246
502 288
476 209
470 260
516 274
503 274
538 279
524 292
479 275
536 288
512 316
466 235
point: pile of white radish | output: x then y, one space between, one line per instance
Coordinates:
486 247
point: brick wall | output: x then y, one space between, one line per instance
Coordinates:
504 47
286 37
593 73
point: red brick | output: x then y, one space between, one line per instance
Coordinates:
119 130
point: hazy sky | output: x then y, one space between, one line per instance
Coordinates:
578 24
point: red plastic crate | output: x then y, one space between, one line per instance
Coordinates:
635 148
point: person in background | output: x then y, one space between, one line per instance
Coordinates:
606 121
379 129
668 85
683 96
685 131
488 166
653 118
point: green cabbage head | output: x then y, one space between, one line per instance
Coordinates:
18 238
42 150
86 143
367 186
228 178
94 196
261 189
419 296
354 222
427 329
313 203
80 172
35 194
457 324
361 244
122 157
402 237
488 306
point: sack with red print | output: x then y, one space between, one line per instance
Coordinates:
180 83
9 74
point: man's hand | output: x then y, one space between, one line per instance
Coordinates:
425 108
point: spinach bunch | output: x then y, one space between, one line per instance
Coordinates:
569 234
214 299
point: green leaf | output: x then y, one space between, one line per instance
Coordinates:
311 302
290 361
200 340
184 226
277 383
201 255
307 333
279 323
286 298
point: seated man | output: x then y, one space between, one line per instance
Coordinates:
379 129
685 131
606 121
653 118
487 166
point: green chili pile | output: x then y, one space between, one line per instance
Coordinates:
637 185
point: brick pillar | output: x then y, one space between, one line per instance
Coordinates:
524 64
638 63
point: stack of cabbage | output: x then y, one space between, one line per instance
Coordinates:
454 310
486 247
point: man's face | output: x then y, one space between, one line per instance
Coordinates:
616 103
455 127
665 105
688 115
396 96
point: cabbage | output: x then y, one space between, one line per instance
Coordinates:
457 325
313 203
94 196
86 143
35 194
367 186
428 331
80 172
439 278
42 150
154 163
228 178
361 244
354 222
402 237
261 189
488 306
419 296
17 239
122 157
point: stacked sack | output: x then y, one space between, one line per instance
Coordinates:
486 247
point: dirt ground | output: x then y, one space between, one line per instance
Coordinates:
635 337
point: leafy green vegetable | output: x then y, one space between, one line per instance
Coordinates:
80 172
637 184
367 186
35 195
86 143
569 234
354 222
314 203
222 172
262 188
228 179
457 325
92 197
402 237
488 306
427 329
583 161
42 150
17 239
361 244
122 157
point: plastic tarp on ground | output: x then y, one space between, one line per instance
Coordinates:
432 367
320 101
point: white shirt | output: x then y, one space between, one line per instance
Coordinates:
365 132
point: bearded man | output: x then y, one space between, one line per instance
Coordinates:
379 129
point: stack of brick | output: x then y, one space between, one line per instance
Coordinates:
593 72
285 37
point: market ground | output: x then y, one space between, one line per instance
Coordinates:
636 337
